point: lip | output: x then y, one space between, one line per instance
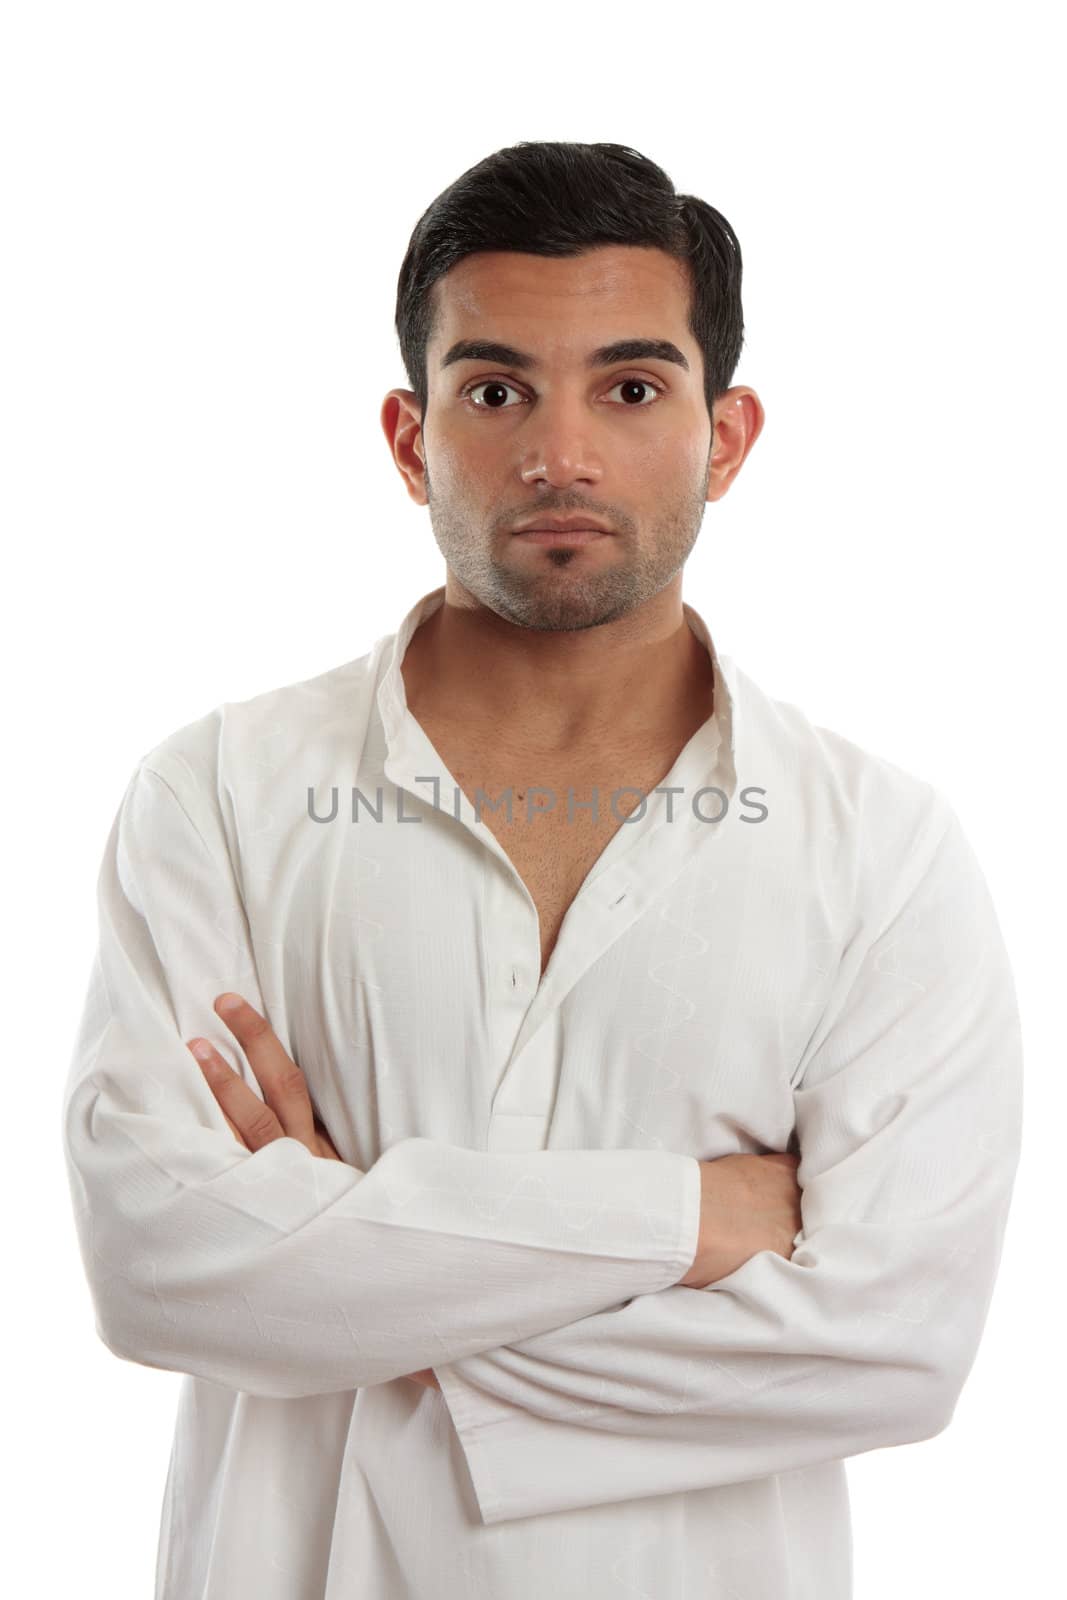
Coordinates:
575 529
579 523
567 536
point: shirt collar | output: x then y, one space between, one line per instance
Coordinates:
721 732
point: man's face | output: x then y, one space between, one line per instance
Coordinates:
626 441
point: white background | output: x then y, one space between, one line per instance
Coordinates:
205 208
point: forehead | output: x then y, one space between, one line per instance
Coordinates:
563 298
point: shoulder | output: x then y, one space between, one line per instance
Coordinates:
858 817
244 744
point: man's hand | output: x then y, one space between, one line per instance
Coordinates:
747 1204
285 1110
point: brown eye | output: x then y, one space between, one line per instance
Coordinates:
629 398
495 396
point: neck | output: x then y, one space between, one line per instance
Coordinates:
640 678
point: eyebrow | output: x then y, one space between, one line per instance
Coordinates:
607 355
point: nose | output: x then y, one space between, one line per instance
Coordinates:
557 448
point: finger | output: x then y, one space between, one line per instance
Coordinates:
248 1119
281 1080
211 1068
235 1131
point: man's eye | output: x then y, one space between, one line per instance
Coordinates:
495 399
637 383
497 391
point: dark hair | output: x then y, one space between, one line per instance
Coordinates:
555 199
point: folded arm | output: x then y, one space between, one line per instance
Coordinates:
274 1271
908 1118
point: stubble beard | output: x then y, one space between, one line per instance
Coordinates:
542 594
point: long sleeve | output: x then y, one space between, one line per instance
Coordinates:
277 1272
908 1115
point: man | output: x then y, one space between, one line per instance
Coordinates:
524 958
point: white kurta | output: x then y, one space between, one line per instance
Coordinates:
820 970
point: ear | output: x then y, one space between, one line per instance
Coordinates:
737 421
402 424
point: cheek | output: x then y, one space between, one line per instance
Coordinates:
665 458
456 461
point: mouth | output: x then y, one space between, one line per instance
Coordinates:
561 536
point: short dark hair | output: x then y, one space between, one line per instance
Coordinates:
549 198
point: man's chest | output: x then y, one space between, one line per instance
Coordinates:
404 961
554 822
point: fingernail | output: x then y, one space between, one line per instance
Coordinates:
228 1002
201 1049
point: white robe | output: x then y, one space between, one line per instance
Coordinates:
821 970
